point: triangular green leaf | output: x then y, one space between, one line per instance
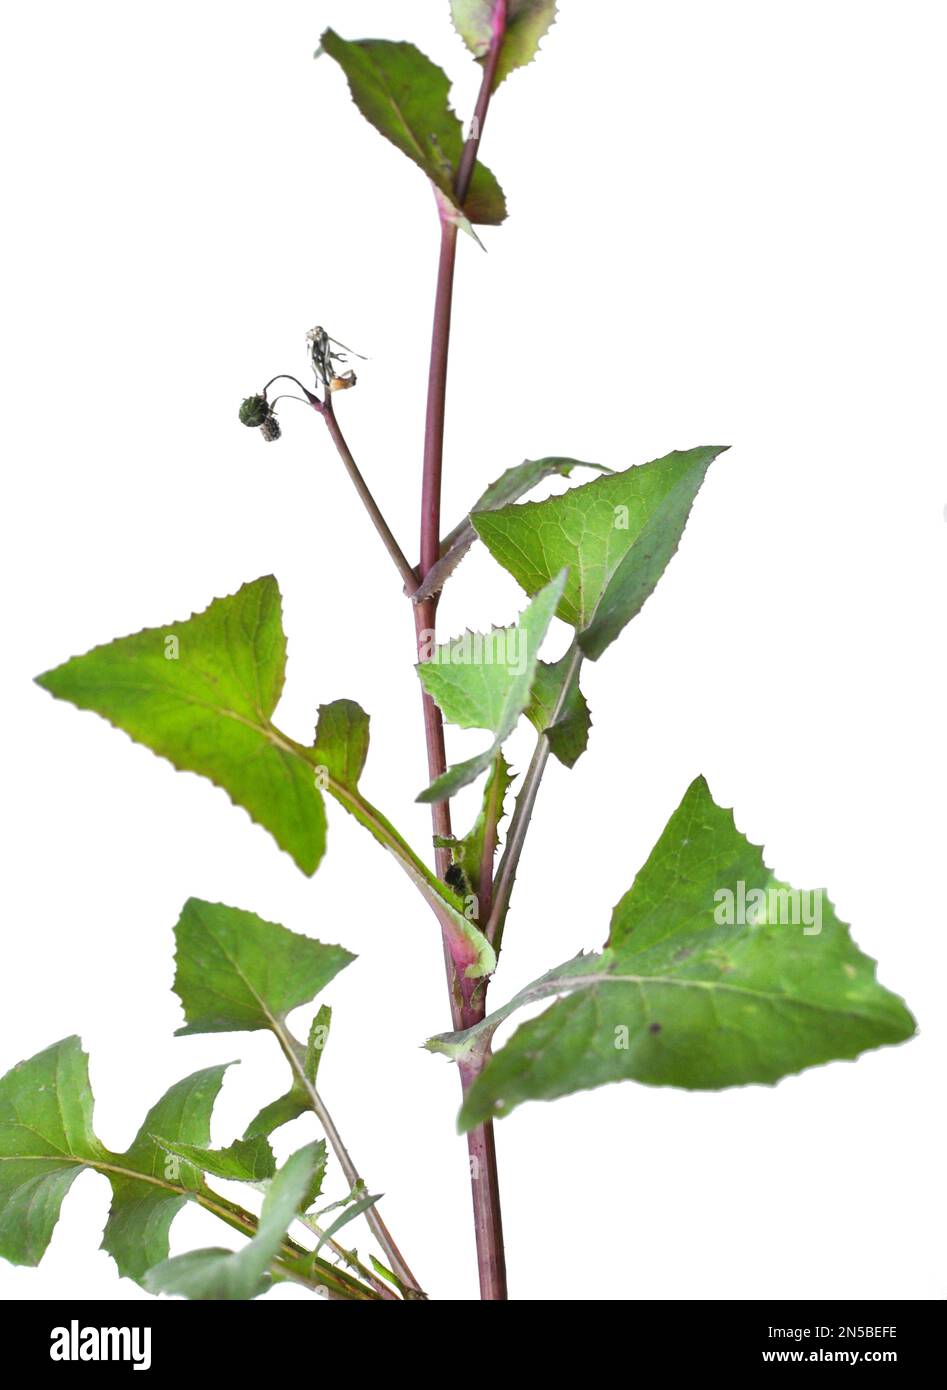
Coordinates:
245 1160
508 487
615 535
527 22
236 972
405 97
483 681
682 996
46 1138
201 693
223 1274
523 477
569 735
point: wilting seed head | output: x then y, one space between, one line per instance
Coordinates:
254 412
270 428
328 358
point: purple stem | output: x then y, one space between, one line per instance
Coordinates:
467 997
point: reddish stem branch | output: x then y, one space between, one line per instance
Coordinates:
468 998
401 561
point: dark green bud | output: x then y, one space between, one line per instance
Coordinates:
254 411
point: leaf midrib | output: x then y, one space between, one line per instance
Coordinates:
574 984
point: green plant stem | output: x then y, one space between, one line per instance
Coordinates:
525 801
337 1283
467 998
349 1256
295 1054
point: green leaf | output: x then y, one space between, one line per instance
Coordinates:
527 23
236 972
350 1213
405 97
223 1274
342 742
483 681
569 735
200 693
245 1160
318 1037
314 1188
615 535
136 1233
279 1112
469 854
46 1138
681 997
511 485
523 477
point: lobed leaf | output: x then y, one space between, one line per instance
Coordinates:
47 1138
405 97
483 681
683 997
614 535
527 23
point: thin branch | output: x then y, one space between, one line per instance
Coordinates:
350 1257
239 1219
295 1054
468 158
401 561
525 801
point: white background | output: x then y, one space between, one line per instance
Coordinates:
726 225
